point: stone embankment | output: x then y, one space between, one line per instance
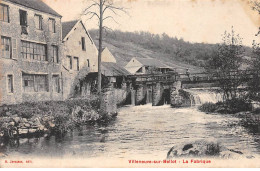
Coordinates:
13 125
38 118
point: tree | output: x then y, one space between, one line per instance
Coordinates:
256 7
98 9
225 64
255 65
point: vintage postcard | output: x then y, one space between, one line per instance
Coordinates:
129 83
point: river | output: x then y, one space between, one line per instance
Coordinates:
141 131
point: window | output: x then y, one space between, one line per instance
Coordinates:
4 13
52 25
69 59
35 83
54 53
38 22
88 63
5 47
28 83
56 83
83 43
76 63
10 84
23 18
33 51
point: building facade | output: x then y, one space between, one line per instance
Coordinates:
80 57
31 49
107 56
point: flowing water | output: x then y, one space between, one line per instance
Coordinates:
142 131
201 96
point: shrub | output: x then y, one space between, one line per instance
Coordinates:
208 107
237 105
251 122
213 149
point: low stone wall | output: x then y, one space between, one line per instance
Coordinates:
121 96
31 119
179 97
108 104
14 126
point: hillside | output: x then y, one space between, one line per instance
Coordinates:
174 52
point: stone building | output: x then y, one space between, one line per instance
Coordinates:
30 52
79 57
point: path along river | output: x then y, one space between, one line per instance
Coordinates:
142 131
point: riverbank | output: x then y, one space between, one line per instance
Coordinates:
249 116
51 117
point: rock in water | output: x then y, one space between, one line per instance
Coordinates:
202 148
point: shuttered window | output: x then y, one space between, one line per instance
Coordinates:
56 83
4 13
52 27
5 47
54 53
38 21
76 63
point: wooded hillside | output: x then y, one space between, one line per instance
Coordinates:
175 52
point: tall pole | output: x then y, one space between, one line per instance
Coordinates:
100 46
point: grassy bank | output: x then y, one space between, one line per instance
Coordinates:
249 118
56 117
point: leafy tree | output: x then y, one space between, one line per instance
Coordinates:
255 65
225 64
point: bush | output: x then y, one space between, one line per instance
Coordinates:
251 122
228 107
237 105
208 107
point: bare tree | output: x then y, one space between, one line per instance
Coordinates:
99 9
256 7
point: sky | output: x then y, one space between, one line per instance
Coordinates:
202 21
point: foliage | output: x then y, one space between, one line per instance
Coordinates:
251 122
176 48
53 108
237 105
225 63
208 107
254 83
229 106
213 149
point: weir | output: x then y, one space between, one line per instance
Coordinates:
159 94
178 89
201 96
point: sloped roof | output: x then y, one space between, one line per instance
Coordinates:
133 69
37 5
67 27
152 62
113 69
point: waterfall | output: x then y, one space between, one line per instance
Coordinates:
201 96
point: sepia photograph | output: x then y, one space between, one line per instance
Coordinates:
129 83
